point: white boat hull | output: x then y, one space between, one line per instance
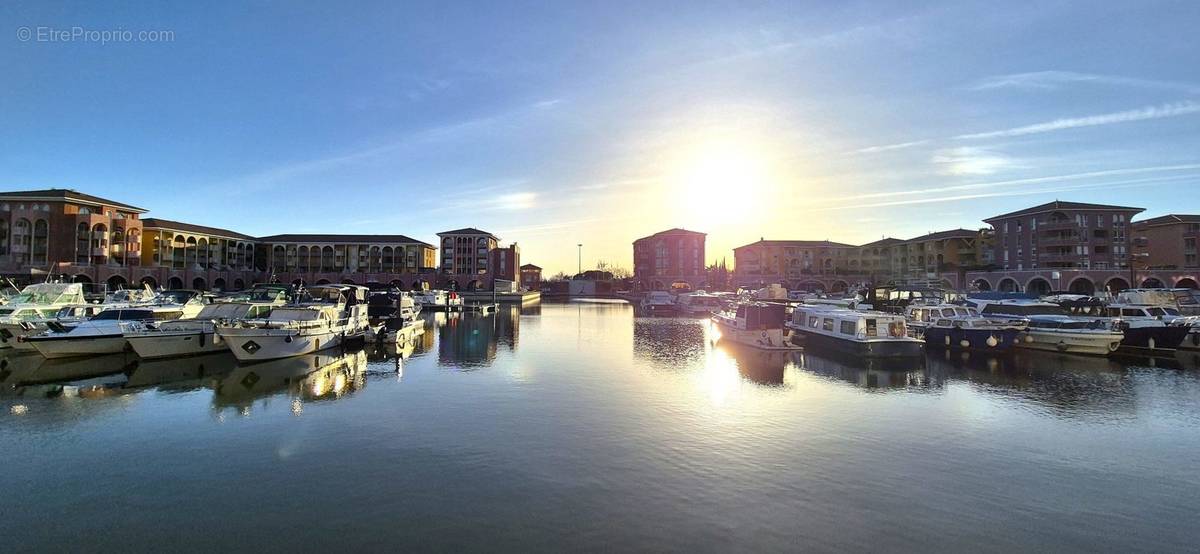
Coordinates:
15 334
70 347
1072 343
250 344
169 344
771 339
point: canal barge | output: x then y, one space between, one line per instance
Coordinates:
859 333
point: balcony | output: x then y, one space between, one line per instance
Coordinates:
1061 240
1059 257
1060 225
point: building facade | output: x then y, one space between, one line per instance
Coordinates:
531 277
668 257
41 229
1167 242
1063 235
466 251
66 234
505 262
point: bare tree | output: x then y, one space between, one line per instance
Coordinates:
617 272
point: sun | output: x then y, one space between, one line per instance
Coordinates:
719 180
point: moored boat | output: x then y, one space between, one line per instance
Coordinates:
102 334
1051 327
657 302
757 324
958 327
861 333
331 315
187 337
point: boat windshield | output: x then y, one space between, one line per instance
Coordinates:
1023 309
177 296
50 293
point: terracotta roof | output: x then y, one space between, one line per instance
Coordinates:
151 222
883 242
798 244
673 231
69 195
466 231
1169 219
342 238
530 266
1060 205
953 233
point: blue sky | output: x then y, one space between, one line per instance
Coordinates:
557 123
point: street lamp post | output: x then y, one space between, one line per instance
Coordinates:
579 268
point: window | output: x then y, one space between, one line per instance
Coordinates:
849 327
827 324
812 321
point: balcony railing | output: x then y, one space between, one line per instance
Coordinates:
1058 225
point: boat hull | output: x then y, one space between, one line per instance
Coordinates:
71 347
768 339
883 348
250 344
174 344
1072 343
989 340
12 335
1151 339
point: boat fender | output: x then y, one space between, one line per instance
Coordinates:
1028 337
964 343
947 340
200 341
992 341
1113 346
1150 343
1061 346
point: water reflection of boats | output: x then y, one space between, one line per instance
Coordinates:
29 374
472 339
670 342
764 367
182 373
1063 382
870 373
77 369
314 376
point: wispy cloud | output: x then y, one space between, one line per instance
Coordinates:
886 147
1054 80
1133 183
1187 168
1174 109
512 201
969 160
281 174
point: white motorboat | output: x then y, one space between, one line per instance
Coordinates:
103 334
37 302
657 302
699 303
435 300
187 337
331 315
757 324
857 332
1051 327
67 317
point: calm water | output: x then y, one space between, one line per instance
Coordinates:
580 426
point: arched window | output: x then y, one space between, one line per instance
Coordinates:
3 237
389 260
376 257
327 259
41 241
21 239
179 251
116 253
278 259
202 252
302 259
190 251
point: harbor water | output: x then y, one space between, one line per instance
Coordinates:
581 426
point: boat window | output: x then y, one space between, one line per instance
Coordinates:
812 321
896 329
1114 312
871 328
1170 311
741 311
943 323
849 327
827 324
1132 312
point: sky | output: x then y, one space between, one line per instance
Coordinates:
554 124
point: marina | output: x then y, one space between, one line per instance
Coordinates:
440 432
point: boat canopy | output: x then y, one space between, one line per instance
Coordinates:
125 314
294 314
224 310
50 293
760 314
